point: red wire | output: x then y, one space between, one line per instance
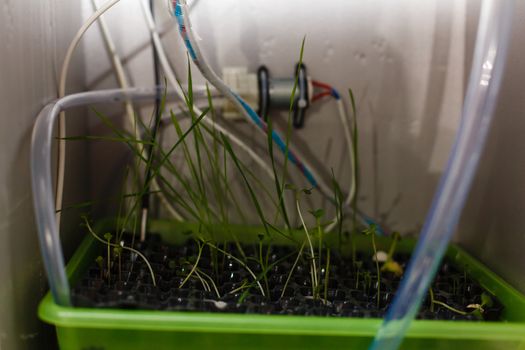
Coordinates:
318 84
321 95
328 90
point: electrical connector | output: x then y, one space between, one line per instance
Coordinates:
243 84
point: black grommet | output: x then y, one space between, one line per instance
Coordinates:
263 80
302 101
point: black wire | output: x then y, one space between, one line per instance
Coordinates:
157 116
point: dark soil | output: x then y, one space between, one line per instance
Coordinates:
347 295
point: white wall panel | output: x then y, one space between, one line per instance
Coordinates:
404 60
33 36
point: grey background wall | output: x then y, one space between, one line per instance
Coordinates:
34 36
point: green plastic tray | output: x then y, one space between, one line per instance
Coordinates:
98 329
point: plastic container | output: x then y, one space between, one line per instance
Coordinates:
80 328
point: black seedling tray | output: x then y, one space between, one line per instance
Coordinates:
351 292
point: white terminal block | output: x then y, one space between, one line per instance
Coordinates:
245 85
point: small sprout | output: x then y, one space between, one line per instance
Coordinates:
479 309
117 251
393 267
319 213
357 266
486 300
324 301
100 262
194 264
243 296
307 191
476 307
109 244
219 304
107 237
370 230
244 285
261 237
290 187
313 267
297 193
390 264
380 256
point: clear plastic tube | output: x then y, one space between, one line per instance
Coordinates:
484 83
41 175
42 180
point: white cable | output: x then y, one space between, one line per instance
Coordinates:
61 157
119 71
124 84
200 61
194 50
117 67
170 75
343 117
173 82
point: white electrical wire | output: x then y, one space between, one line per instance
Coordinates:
119 71
179 9
121 78
343 117
188 36
124 84
61 158
117 67
170 76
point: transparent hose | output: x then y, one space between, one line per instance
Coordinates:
41 179
485 80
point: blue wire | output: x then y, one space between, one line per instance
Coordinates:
179 15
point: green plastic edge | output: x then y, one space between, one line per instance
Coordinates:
70 317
